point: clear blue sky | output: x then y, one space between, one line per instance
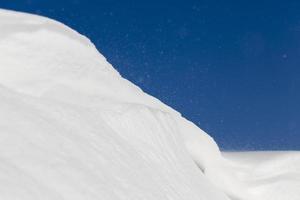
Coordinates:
233 68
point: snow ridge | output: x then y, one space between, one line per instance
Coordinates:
73 128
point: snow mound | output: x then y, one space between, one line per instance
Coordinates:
72 128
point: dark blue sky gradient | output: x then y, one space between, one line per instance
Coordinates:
233 68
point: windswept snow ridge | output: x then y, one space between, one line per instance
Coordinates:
72 128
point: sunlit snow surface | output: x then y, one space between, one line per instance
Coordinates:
71 128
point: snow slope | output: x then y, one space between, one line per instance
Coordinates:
72 128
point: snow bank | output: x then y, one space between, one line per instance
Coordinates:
72 128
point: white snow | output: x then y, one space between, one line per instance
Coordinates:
72 128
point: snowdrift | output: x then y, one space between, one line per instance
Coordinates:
72 128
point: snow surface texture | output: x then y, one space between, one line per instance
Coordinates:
71 128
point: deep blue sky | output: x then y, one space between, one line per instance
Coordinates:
233 68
